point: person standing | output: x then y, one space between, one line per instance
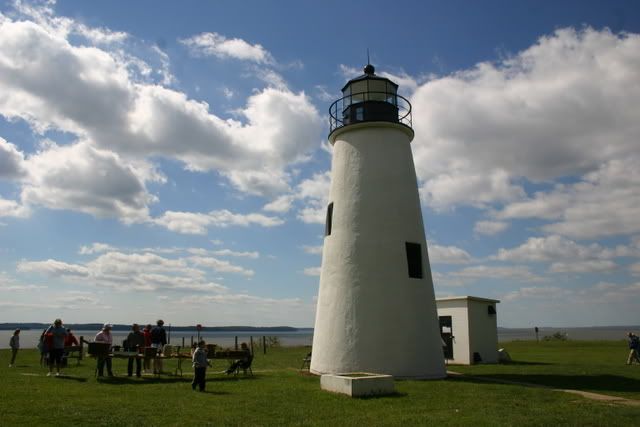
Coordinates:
634 348
146 332
56 334
70 339
135 341
104 336
43 348
14 343
200 364
158 341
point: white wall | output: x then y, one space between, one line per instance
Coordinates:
371 316
457 309
483 331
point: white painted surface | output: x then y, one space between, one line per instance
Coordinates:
365 385
474 329
370 315
460 328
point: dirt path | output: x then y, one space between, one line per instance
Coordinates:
586 394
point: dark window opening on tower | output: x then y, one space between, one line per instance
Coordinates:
414 260
327 225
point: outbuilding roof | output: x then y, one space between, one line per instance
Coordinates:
469 298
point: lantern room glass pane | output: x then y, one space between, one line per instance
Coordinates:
358 87
377 90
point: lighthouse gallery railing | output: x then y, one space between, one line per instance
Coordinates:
366 107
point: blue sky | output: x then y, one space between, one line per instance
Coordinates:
170 160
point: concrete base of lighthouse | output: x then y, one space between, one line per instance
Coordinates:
372 316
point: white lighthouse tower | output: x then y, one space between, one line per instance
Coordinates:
376 309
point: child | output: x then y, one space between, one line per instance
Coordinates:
14 343
200 364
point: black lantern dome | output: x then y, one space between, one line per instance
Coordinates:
369 98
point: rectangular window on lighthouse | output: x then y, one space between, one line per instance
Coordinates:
414 260
327 225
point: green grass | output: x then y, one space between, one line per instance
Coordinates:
279 395
595 366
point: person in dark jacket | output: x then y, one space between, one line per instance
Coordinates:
634 348
135 341
158 341
14 343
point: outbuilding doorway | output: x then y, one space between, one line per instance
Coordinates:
446 332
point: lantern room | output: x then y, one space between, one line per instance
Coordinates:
369 98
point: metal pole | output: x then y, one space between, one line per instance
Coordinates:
264 345
236 342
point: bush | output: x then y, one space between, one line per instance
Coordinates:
558 336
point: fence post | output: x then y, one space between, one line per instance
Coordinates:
236 343
264 345
251 341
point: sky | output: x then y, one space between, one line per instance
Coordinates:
170 159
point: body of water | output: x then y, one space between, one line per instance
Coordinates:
301 337
304 337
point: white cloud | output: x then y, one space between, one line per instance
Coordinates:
95 248
214 44
11 161
517 273
197 223
220 266
448 255
490 228
11 208
602 203
553 248
80 177
281 204
314 192
92 93
541 292
591 266
479 131
314 250
635 269
229 252
312 271
53 268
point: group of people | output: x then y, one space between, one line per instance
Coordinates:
52 344
56 338
149 337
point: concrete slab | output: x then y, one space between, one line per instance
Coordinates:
358 384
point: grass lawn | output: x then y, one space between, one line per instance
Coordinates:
279 395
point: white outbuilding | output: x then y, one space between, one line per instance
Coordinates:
469 329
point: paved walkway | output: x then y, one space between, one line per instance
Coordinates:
586 394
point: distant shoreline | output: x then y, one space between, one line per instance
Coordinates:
9 326
121 327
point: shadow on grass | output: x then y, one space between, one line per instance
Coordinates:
601 383
523 363
231 378
215 393
141 381
393 395
71 378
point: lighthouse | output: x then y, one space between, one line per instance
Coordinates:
376 309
